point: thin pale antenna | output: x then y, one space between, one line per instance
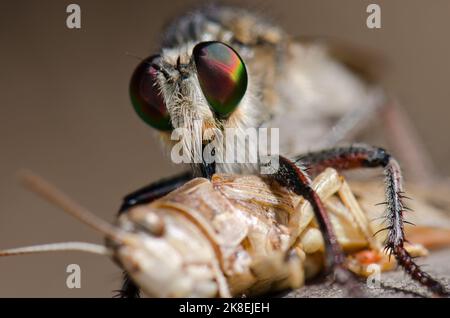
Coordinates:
57 247
135 56
53 195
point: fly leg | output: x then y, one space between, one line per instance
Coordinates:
147 194
293 177
403 137
129 288
154 191
344 158
396 124
342 208
158 189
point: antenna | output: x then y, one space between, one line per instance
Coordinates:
50 193
57 247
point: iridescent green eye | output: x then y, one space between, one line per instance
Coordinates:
222 76
146 96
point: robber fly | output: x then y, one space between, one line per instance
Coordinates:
229 68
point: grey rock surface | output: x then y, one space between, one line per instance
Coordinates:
394 284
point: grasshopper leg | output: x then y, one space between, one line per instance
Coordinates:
362 156
295 178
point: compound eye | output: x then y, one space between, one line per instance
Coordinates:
146 96
222 76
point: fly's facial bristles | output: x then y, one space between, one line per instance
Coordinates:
186 104
184 97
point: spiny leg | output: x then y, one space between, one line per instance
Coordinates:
129 288
147 194
294 178
363 156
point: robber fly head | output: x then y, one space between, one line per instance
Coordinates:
205 83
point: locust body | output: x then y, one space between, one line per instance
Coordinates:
238 235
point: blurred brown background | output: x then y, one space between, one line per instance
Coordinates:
65 111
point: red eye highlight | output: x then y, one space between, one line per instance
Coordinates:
146 96
222 76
